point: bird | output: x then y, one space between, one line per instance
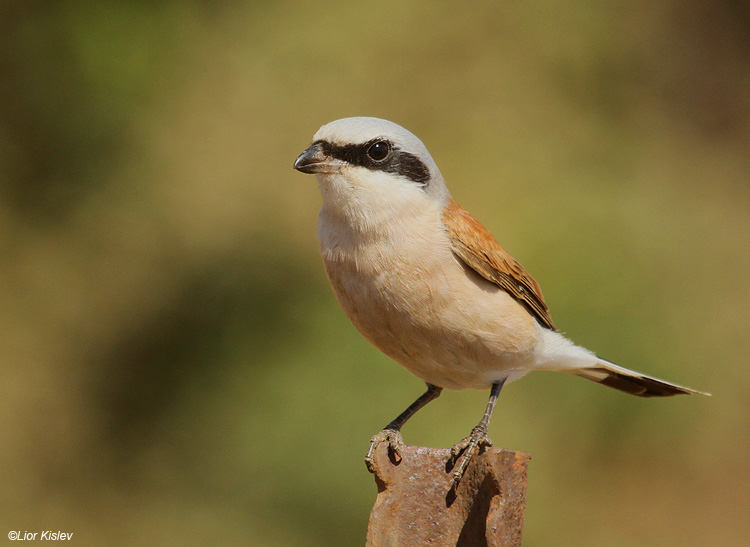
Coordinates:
429 286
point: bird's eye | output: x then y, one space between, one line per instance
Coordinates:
378 151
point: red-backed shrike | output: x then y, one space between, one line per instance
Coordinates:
428 285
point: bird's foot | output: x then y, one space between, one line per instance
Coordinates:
464 450
394 440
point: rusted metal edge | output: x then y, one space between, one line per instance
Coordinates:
416 505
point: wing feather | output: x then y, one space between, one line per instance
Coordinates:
475 246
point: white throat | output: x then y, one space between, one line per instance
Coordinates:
371 207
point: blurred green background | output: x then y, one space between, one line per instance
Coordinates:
175 369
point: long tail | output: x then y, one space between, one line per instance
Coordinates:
630 381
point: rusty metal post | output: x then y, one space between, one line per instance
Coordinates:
415 504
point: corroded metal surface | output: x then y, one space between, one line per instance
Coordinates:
416 506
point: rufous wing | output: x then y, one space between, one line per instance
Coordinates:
475 246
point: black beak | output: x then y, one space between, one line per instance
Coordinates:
314 160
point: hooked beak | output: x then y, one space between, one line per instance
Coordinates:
315 160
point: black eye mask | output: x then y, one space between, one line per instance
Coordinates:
395 161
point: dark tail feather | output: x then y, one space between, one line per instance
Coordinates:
632 382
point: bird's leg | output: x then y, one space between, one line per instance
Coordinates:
478 435
392 432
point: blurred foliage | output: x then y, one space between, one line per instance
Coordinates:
175 368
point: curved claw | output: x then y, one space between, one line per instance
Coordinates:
394 440
465 449
456 451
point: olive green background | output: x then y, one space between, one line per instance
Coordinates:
175 369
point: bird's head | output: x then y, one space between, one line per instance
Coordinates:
365 162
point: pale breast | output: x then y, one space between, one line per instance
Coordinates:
417 302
